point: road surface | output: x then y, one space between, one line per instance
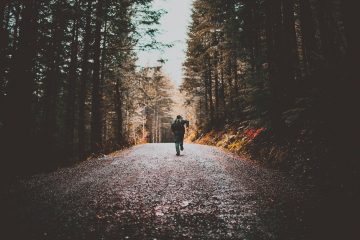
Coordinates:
147 192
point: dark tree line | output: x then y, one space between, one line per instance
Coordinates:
286 65
63 64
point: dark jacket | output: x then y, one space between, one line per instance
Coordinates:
178 128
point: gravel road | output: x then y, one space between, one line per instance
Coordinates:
147 192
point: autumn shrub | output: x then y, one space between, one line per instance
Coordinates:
191 136
233 139
207 138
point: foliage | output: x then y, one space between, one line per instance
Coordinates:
233 140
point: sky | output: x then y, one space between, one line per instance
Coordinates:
173 27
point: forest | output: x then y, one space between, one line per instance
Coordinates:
275 80
70 88
272 79
273 84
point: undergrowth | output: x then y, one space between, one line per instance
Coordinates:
297 156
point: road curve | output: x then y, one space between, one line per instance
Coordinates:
147 192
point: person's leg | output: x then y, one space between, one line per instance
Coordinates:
182 143
177 147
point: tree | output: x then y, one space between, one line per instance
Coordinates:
72 83
96 118
18 120
84 79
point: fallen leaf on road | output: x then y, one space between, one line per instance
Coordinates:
185 203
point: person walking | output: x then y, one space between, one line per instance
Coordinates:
178 129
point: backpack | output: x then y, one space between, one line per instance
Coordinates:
177 126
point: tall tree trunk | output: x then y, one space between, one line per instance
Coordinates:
206 101
308 34
222 91
288 53
257 34
70 112
251 31
18 102
52 80
103 65
119 117
351 88
85 75
326 34
156 116
3 5
96 118
273 34
216 91
235 75
231 90
210 92
4 44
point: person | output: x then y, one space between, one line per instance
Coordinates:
178 129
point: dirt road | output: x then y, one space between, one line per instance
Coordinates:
149 193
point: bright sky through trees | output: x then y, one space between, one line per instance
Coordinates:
173 26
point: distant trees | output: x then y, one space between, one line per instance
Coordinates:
148 105
157 103
66 73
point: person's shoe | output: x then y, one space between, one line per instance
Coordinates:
177 154
182 148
